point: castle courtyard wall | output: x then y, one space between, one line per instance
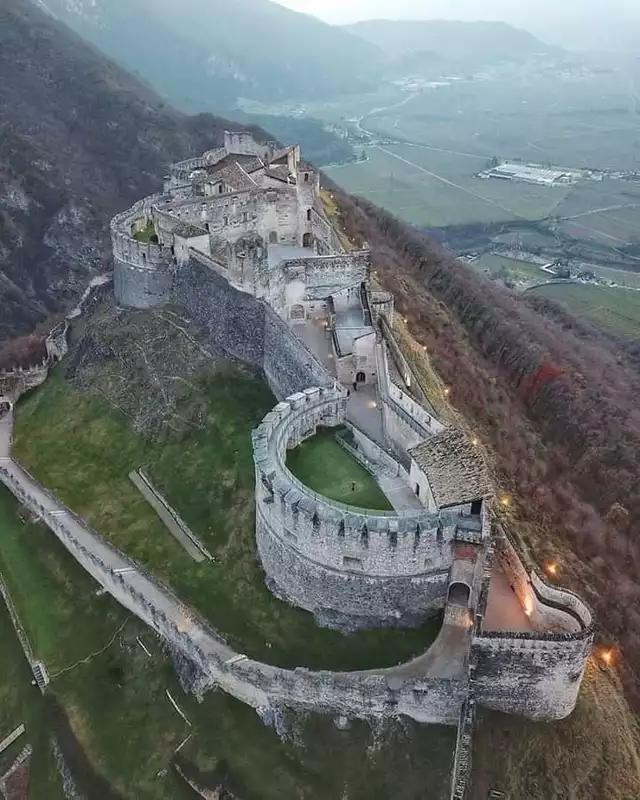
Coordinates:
239 326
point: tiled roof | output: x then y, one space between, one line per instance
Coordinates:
454 467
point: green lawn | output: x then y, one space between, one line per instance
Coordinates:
615 310
83 449
326 468
119 731
147 235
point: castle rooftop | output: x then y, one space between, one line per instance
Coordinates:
455 469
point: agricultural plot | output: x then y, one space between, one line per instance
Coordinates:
615 310
509 268
433 189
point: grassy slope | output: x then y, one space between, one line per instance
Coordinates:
324 466
83 449
116 704
615 310
594 752
20 703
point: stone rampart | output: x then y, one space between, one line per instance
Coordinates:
143 272
329 274
238 326
535 673
351 567
384 693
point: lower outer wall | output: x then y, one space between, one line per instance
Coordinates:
536 678
347 600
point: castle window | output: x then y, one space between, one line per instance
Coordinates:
309 215
306 177
220 189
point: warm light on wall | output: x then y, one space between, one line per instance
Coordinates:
447 391
505 501
607 656
475 442
528 606
551 568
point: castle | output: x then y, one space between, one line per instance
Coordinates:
240 240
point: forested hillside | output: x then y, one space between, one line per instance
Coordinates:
554 399
200 52
80 139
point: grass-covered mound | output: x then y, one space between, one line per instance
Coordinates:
83 449
328 469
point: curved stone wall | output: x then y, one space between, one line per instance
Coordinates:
537 673
143 272
351 567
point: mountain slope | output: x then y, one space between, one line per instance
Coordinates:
79 140
204 54
471 45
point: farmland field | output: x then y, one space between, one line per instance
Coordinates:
510 268
615 310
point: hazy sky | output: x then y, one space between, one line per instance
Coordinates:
587 22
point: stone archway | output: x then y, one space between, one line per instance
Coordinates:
459 594
361 377
307 240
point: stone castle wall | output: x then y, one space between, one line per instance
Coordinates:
538 673
143 272
238 326
351 567
380 694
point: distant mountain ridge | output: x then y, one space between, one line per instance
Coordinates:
200 52
470 45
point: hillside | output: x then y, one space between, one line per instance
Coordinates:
553 398
441 44
79 140
204 54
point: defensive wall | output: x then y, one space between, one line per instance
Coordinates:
541 670
16 382
205 660
351 567
143 272
239 326
406 423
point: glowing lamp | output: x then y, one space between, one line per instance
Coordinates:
607 656
552 569
505 501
